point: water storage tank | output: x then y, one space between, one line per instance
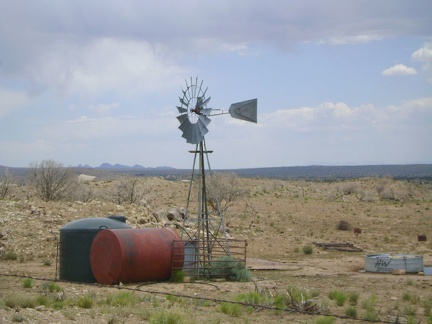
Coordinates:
75 242
134 255
387 263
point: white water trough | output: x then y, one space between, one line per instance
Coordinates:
387 263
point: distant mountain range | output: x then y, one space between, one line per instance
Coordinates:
312 172
121 166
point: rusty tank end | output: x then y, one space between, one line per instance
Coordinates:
134 255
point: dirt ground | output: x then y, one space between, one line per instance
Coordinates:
277 218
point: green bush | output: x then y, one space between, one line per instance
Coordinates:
351 312
121 299
230 269
371 315
427 304
325 320
168 317
11 302
42 300
353 298
85 302
27 283
234 310
10 255
46 262
338 296
51 287
178 276
307 249
27 303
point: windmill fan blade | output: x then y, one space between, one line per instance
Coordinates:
184 125
183 102
202 128
193 134
182 118
245 110
187 131
205 102
205 120
181 110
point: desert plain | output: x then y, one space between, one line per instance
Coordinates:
281 220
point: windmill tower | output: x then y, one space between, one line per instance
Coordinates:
204 229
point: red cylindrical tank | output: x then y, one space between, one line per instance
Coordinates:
134 255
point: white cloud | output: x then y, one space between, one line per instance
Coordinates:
334 133
31 151
424 55
399 69
11 101
111 129
339 116
104 65
351 39
104 109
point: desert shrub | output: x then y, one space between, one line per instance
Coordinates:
230 269
121 299
427 305
250 298
11 302
6 182
164 316
325 320
369 305
344 226
46 262
351 312
51 180
300 301
370 315
27 283
10 255
366 196
85 302
51 287
58 304
128 190
42 300
19 302
347 188
338 296
414 299
27 303
353 298
307 249
409 310
178 276
224 191
83 192
234 310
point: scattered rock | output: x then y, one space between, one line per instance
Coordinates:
85 178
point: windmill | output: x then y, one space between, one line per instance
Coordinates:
203 228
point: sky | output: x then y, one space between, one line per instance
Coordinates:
338 82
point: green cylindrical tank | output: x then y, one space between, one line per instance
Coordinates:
76 239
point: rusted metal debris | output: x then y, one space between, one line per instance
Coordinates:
345 247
